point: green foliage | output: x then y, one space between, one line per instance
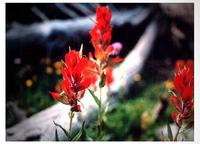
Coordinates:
153 91
79 134
35 101
63 129
127 117
124 122
35 97
76 137
85 136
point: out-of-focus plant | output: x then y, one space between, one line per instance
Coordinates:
31 84
182 98
135 119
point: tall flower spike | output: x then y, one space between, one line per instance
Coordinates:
101 34
101 38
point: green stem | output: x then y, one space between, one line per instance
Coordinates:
100 92
177 133
100 117
71 115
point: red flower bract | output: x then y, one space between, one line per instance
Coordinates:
184 85
109 76
184 81
78 74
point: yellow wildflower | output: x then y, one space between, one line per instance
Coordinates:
137 77
29 83
169 84
145 120
58 65
49 70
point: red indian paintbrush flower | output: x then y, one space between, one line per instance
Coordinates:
100 38
78 74
101 34
183 102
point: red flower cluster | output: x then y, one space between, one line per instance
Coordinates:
78 74
101 34
100 38
183 102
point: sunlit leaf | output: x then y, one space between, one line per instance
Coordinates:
106 107
64 130
95 97
105 110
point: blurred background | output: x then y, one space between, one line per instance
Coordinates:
39 35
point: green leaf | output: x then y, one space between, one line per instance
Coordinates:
169 130
56 135
105 110
85 135
78 135
95 97
107 107
64 130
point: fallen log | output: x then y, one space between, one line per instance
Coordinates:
55 33
31 43
40 126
